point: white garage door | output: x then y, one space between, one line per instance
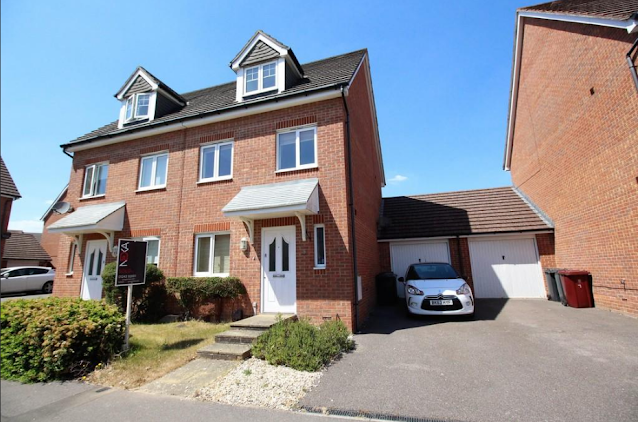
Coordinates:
404 254
506 268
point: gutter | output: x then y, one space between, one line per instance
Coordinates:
228 113
355 269
630 25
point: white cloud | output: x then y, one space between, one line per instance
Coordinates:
398 178
48 201
29 226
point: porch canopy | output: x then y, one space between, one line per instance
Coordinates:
105 219
296 198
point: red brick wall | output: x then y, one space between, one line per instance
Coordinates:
575 154
6 214
461 261
385 262
51 241
179 210
367 180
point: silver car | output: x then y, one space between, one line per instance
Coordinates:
25 279
436 289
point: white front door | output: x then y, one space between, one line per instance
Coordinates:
506 268
93 265
279 269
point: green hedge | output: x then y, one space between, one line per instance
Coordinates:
195 290
301 345
149 299
55 338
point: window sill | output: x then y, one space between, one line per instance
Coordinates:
68 274
86 198
151 189
219 179
211 275
319 268
315 166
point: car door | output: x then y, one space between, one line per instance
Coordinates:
36 278
14 282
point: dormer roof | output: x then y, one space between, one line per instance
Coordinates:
262 47
141 80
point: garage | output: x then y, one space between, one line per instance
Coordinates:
495 238
506 268
406 253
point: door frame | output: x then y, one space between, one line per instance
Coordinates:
262 263
86 259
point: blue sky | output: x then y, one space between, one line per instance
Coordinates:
441 73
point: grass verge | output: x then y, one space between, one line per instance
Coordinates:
156 349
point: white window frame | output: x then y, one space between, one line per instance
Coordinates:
148 107
216 146
260 79
71 263
211 257
298 166
325 258
94 180
154 157
159 245
129 102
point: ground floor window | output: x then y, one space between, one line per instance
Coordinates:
152 249
320 246
212 255
69 268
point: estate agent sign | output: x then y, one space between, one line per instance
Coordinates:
131 263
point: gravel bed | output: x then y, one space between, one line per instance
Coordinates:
257 383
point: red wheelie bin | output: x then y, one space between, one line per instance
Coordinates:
577 287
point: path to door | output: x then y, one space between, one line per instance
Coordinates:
521 360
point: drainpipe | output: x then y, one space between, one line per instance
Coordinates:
632 66
64 151
458 250
355 270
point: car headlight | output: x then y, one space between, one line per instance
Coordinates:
464 290
414 291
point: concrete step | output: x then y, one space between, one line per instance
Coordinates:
238 336
260 322
225 351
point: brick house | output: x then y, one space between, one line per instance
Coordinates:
51 241
572 140
274 178
8 193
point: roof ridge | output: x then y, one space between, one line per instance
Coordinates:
445 193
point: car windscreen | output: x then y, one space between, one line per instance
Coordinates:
431 272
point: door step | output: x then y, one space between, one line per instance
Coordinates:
225 351
236 343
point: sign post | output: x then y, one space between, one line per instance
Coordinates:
130 271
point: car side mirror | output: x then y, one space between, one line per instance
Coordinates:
401 280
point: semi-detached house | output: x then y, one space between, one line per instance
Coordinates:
274 178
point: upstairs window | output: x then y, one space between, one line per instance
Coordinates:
95 177
297 149
216 162
261 78
137 106
153 171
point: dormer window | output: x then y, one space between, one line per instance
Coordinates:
261 78
137 106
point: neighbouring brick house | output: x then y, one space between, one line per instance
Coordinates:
496 239
251 179
572 141
24 250
8 194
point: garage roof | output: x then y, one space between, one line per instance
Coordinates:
24 246
483 211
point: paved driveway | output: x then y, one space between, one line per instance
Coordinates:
521 360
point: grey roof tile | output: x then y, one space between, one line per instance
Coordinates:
458 213
607 9
24 246
7 186
321 74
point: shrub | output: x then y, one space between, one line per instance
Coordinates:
55 338
149 299
301 345
192 291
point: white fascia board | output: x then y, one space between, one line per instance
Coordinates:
247 110
373 110
258 37
416 240
139 72
630 25
55 201
517 235
263 213
520 234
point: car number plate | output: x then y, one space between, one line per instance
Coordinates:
440 302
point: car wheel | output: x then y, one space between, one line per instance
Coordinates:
48 287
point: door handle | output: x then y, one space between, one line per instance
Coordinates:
279 275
